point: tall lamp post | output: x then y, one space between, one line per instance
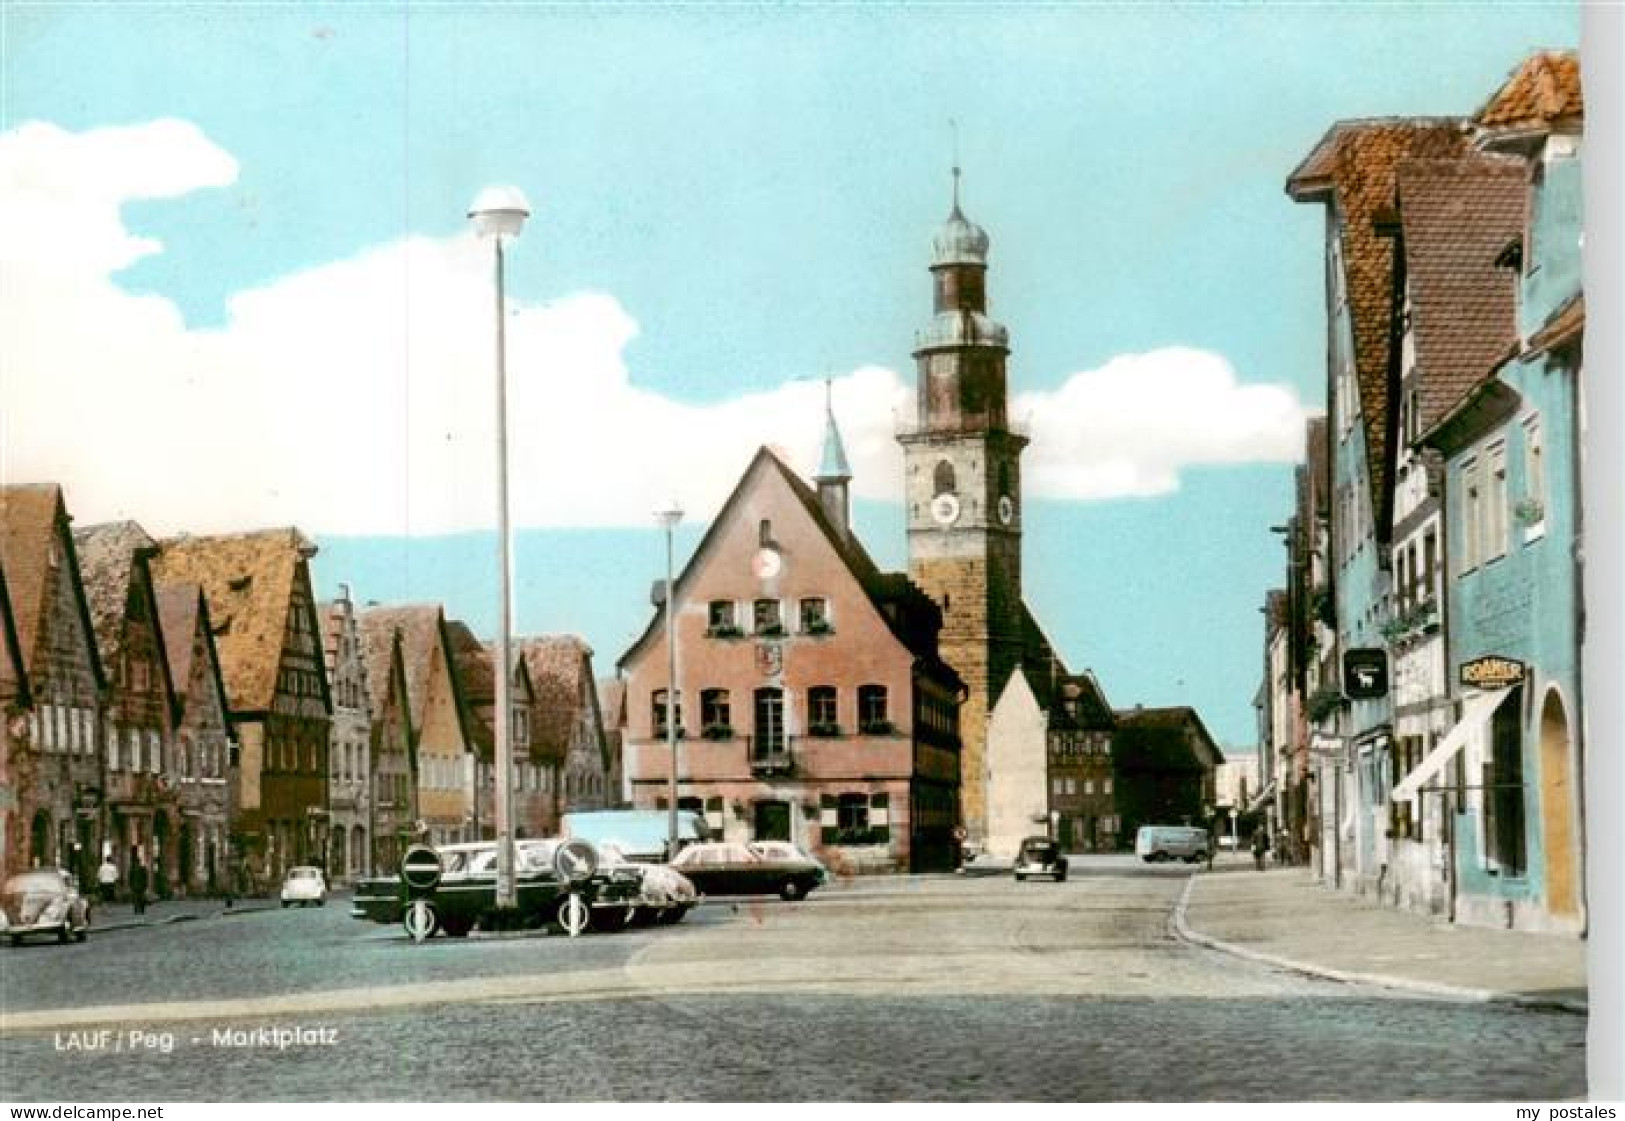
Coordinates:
668 519
498 213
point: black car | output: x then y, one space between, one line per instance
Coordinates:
1040 856
730 869
465 896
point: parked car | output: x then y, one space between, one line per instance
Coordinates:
733 869
466 894
665 895
43 901
304 885
784 850
1156 843
1040 856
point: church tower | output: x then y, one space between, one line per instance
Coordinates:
962 486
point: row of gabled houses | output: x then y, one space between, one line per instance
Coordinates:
1421 708
188 704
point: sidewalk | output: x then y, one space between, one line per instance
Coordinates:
122 916
1284 918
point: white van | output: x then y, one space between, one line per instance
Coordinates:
1154 843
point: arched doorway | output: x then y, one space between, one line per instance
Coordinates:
358 852
1557 809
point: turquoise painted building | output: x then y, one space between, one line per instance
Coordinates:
1511 773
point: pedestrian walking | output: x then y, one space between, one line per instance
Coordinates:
1261 845
138 886
107 878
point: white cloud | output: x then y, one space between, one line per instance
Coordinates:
1129 427
358 396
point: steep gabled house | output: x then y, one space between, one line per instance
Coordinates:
1454 313
1352 173
1075 799
443 748
349 777
204 747
265 627
55 766
141 782
569 728
534 814
392 743
1510 770
813 706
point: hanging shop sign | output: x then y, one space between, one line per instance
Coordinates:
1365 673
1493 672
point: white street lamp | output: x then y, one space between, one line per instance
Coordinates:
498 213
668 519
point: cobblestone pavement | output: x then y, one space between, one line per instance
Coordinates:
859 1049
924 988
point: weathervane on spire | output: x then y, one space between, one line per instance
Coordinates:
953 127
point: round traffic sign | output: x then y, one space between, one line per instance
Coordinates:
419 919
573 914
575 860
420 869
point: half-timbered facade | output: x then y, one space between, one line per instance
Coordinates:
54 767
258 589
203 750
141 783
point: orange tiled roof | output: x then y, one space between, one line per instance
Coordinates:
377 633
1543 89
178 610
561 674
422 628
248 581
1459 215
31 516
1355 166
107 555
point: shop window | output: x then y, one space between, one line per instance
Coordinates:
1503 793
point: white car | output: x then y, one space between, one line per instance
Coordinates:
665 894
304 885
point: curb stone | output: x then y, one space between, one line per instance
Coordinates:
1182 931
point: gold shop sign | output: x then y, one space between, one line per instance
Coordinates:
1492 672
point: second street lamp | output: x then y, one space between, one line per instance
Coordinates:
498 213
668 519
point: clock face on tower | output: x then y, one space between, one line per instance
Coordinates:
1007 508
945 509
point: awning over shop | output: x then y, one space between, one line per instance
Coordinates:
1264 796
1474 714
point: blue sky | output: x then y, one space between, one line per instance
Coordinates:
260 210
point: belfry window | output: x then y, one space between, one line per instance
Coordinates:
943 478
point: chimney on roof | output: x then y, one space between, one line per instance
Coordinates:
834 474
